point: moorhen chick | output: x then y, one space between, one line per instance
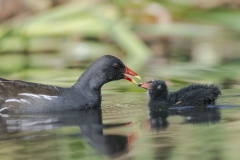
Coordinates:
19 97
192 95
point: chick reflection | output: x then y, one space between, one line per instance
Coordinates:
198 114
89 121
194 115
158 118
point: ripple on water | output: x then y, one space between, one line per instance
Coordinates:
179 139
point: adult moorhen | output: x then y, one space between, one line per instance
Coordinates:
19 97
192 95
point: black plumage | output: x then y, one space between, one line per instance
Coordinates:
192 95
19 97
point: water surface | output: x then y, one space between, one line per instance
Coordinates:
124 129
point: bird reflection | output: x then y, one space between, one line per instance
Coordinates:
192 114
198 114
89 121
158 118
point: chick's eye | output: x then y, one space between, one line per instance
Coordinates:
150 81
116 65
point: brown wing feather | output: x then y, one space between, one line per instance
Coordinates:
11 88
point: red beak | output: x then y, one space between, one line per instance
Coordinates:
132 73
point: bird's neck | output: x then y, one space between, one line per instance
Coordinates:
91 79
159 96
157 103
158 99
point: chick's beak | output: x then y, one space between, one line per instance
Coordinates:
132 73
145 85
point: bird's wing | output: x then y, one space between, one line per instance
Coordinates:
13 89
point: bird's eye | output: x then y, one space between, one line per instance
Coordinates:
150 81
116 65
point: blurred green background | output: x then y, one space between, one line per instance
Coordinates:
180 41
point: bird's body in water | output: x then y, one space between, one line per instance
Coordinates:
19 97
192 95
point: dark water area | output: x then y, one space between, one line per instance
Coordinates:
124 129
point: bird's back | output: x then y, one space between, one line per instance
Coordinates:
15 93
194 94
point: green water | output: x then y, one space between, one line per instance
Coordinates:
122 130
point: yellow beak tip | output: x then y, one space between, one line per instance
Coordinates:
138 77
134 81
